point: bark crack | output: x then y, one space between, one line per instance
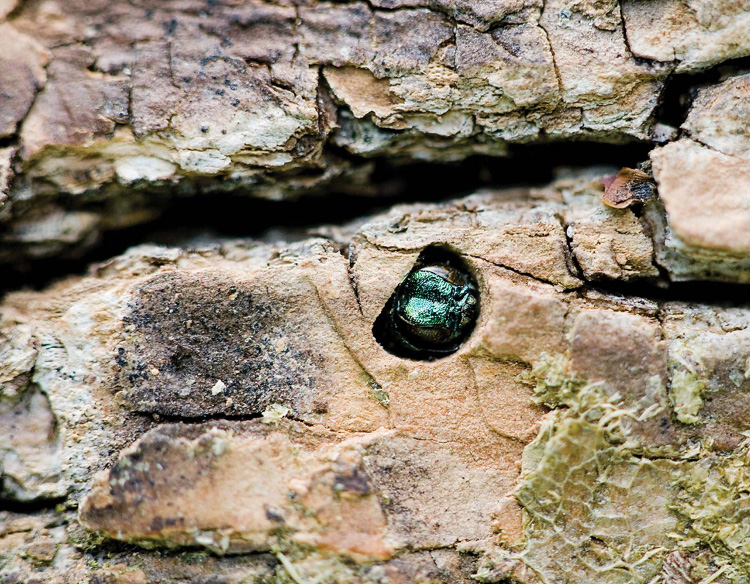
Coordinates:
481 411
377 388
574 266
520 272
560 87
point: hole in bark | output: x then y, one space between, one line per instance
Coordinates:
433 310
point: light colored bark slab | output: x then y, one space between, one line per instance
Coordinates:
252 94
692 34
703 183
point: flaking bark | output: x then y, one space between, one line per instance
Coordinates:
107 105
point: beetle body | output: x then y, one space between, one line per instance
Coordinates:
433 309
434 304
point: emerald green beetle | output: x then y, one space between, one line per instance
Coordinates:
433 309
435 304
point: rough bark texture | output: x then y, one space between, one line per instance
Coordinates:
224 413
110 109
234 399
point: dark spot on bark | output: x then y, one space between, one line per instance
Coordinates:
193 331
170 26
353 481
274 515
120 358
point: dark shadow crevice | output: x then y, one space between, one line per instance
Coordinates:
681 89
204 218
717 294
33 506
201 419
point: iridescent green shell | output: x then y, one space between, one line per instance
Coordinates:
432 311
434 304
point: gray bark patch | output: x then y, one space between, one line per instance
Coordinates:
204 346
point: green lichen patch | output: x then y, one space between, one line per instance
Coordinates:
713 498
554 382
602 508
686 394
380 394
595 512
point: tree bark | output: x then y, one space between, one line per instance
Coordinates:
237 411
110 110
